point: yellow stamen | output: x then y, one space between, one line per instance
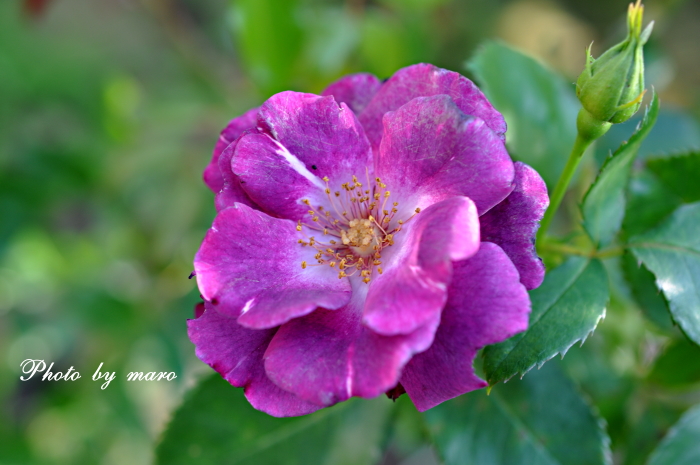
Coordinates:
359 224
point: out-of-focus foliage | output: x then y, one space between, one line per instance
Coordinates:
215 427
533 421
539 106
667 170
108 114
681 446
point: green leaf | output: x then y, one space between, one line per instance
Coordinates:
565 309
649 201
645 294
643 431
538 420
674 173
268 39
383 43
407 436
671 252
217 425
603 205
539 106
681 445
672 369
674 132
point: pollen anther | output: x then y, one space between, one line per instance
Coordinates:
361 226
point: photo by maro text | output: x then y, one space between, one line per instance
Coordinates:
31 367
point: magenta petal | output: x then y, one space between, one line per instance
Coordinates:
432 151
328 356
323 135
236 353
413 288
249 267
235 127
273 178
487 304
513 224
424 80
355 90
231 192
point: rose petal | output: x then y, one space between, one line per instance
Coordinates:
487 304
273 178
424 80
355 90
328 356
236 353
324 135
432 151
513 224
413 288
235 127
231 192
249 266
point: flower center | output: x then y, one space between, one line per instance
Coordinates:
361 237
358 226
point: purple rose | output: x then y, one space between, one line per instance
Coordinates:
369 240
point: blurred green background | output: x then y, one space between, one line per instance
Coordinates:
109 111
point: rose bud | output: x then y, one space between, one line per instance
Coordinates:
611 88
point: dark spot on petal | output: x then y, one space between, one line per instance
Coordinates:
395 392
314 167
215 301
199 310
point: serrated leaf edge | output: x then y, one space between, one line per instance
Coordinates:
561 352
653 106
625 143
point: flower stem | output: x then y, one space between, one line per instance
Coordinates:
580 146
564 249
590 253
609 253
